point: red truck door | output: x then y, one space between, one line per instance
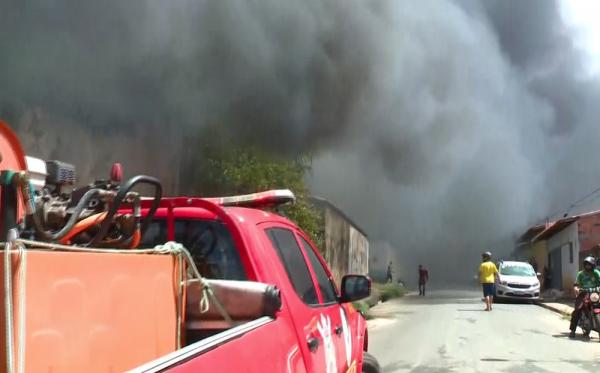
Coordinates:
315 310
339 330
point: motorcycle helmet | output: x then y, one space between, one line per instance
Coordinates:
486 255
590 260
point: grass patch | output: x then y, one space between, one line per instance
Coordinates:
379 293
363 307
389 291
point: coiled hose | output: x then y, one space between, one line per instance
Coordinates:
126 188
46 235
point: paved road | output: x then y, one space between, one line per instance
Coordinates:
448 332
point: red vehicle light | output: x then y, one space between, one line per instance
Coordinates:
263 199
116 173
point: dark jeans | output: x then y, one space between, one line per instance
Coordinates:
576 315
422 288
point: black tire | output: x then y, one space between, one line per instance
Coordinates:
585 324
370 364
596 322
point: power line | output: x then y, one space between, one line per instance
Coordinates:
576 203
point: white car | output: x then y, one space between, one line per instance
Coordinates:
517 280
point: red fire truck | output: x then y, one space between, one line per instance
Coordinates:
100 279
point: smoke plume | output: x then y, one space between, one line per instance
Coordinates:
442 127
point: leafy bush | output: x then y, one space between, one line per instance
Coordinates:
389 291
362 307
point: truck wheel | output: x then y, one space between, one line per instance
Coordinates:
596 322
370 364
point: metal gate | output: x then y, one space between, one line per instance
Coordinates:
556 269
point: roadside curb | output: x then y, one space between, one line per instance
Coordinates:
556 307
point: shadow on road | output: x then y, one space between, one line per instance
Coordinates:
523 302
578 337
438 300
433 300
379 314
393 367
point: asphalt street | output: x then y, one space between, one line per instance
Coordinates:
448 331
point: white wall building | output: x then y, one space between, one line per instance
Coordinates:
563 253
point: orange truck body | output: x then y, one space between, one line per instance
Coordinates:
90 312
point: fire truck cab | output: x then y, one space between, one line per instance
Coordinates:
316 328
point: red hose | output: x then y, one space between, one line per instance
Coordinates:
83 225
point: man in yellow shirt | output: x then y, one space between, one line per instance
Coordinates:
487 276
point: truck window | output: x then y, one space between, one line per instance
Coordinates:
290 254
209 242
327 289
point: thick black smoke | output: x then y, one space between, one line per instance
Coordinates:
518 148
443 127
542 48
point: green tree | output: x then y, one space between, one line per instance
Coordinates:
229 168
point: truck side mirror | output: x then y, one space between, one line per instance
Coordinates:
355 287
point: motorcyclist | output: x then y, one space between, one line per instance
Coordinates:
589 277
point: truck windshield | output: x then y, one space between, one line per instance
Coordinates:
209 242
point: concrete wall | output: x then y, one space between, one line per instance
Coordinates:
337 243
540 256
589 234
346 248
358 258
563 241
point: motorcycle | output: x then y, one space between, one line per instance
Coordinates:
590 317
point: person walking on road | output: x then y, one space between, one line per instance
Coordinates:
423 278
389 272
487 277
586 279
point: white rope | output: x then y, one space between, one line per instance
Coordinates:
22 304
171 248
59 247
207 291
180 305
8 306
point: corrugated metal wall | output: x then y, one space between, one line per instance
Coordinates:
346 248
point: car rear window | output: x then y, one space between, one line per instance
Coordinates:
209 242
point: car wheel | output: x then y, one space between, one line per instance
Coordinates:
370 364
